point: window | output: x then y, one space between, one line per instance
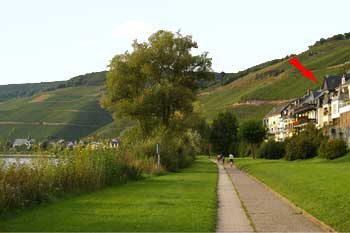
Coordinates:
325 111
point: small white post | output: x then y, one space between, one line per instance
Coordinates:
158 154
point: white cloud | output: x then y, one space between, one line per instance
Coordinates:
133 30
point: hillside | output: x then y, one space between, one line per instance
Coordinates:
12 91
69 113
254 94
65 109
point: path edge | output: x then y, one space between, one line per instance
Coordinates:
217 196
307 215
242 203
251 223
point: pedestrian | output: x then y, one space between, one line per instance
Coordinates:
218 158
231 159
223 159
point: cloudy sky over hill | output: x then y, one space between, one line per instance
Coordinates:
55 40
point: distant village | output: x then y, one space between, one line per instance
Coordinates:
327 108
29 144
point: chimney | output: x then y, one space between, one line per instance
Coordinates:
308 92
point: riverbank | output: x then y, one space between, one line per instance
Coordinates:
176 202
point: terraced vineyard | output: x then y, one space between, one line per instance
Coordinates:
69 113
279 81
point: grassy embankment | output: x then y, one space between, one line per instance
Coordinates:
318 186
176 202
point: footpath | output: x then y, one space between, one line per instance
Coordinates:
241 196
231 215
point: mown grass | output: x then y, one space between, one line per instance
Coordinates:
175 202
318 186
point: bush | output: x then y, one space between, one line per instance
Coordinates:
187 147
300 147
271 150
177 148
305 144
332 148
244 150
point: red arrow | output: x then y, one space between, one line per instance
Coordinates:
306 72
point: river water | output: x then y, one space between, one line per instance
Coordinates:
22 159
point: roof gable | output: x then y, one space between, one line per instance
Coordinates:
331 82
277 110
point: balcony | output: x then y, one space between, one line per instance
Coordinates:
303 121
344 103
305 108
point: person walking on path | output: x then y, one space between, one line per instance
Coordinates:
231 159
218 158
223 158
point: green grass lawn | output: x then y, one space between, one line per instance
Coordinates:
318 186
176 202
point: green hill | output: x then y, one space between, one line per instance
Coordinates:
255 93
12 91
65 109
69 113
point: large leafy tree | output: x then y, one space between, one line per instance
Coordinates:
223 136
253 132
157 80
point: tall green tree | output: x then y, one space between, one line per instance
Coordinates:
223 135
157 80
252 132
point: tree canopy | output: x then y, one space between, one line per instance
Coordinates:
252 132
157 80
224 132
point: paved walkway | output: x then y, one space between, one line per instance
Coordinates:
231 215
268 212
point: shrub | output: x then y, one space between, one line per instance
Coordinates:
332 148
300 147
179 151
178 147
176 150
244 150
305 144
271 150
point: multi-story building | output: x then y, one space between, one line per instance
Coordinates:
305 109
327 108
328 104
340 127
276 123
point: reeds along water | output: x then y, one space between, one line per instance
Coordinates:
80 170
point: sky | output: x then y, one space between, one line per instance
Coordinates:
51 40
